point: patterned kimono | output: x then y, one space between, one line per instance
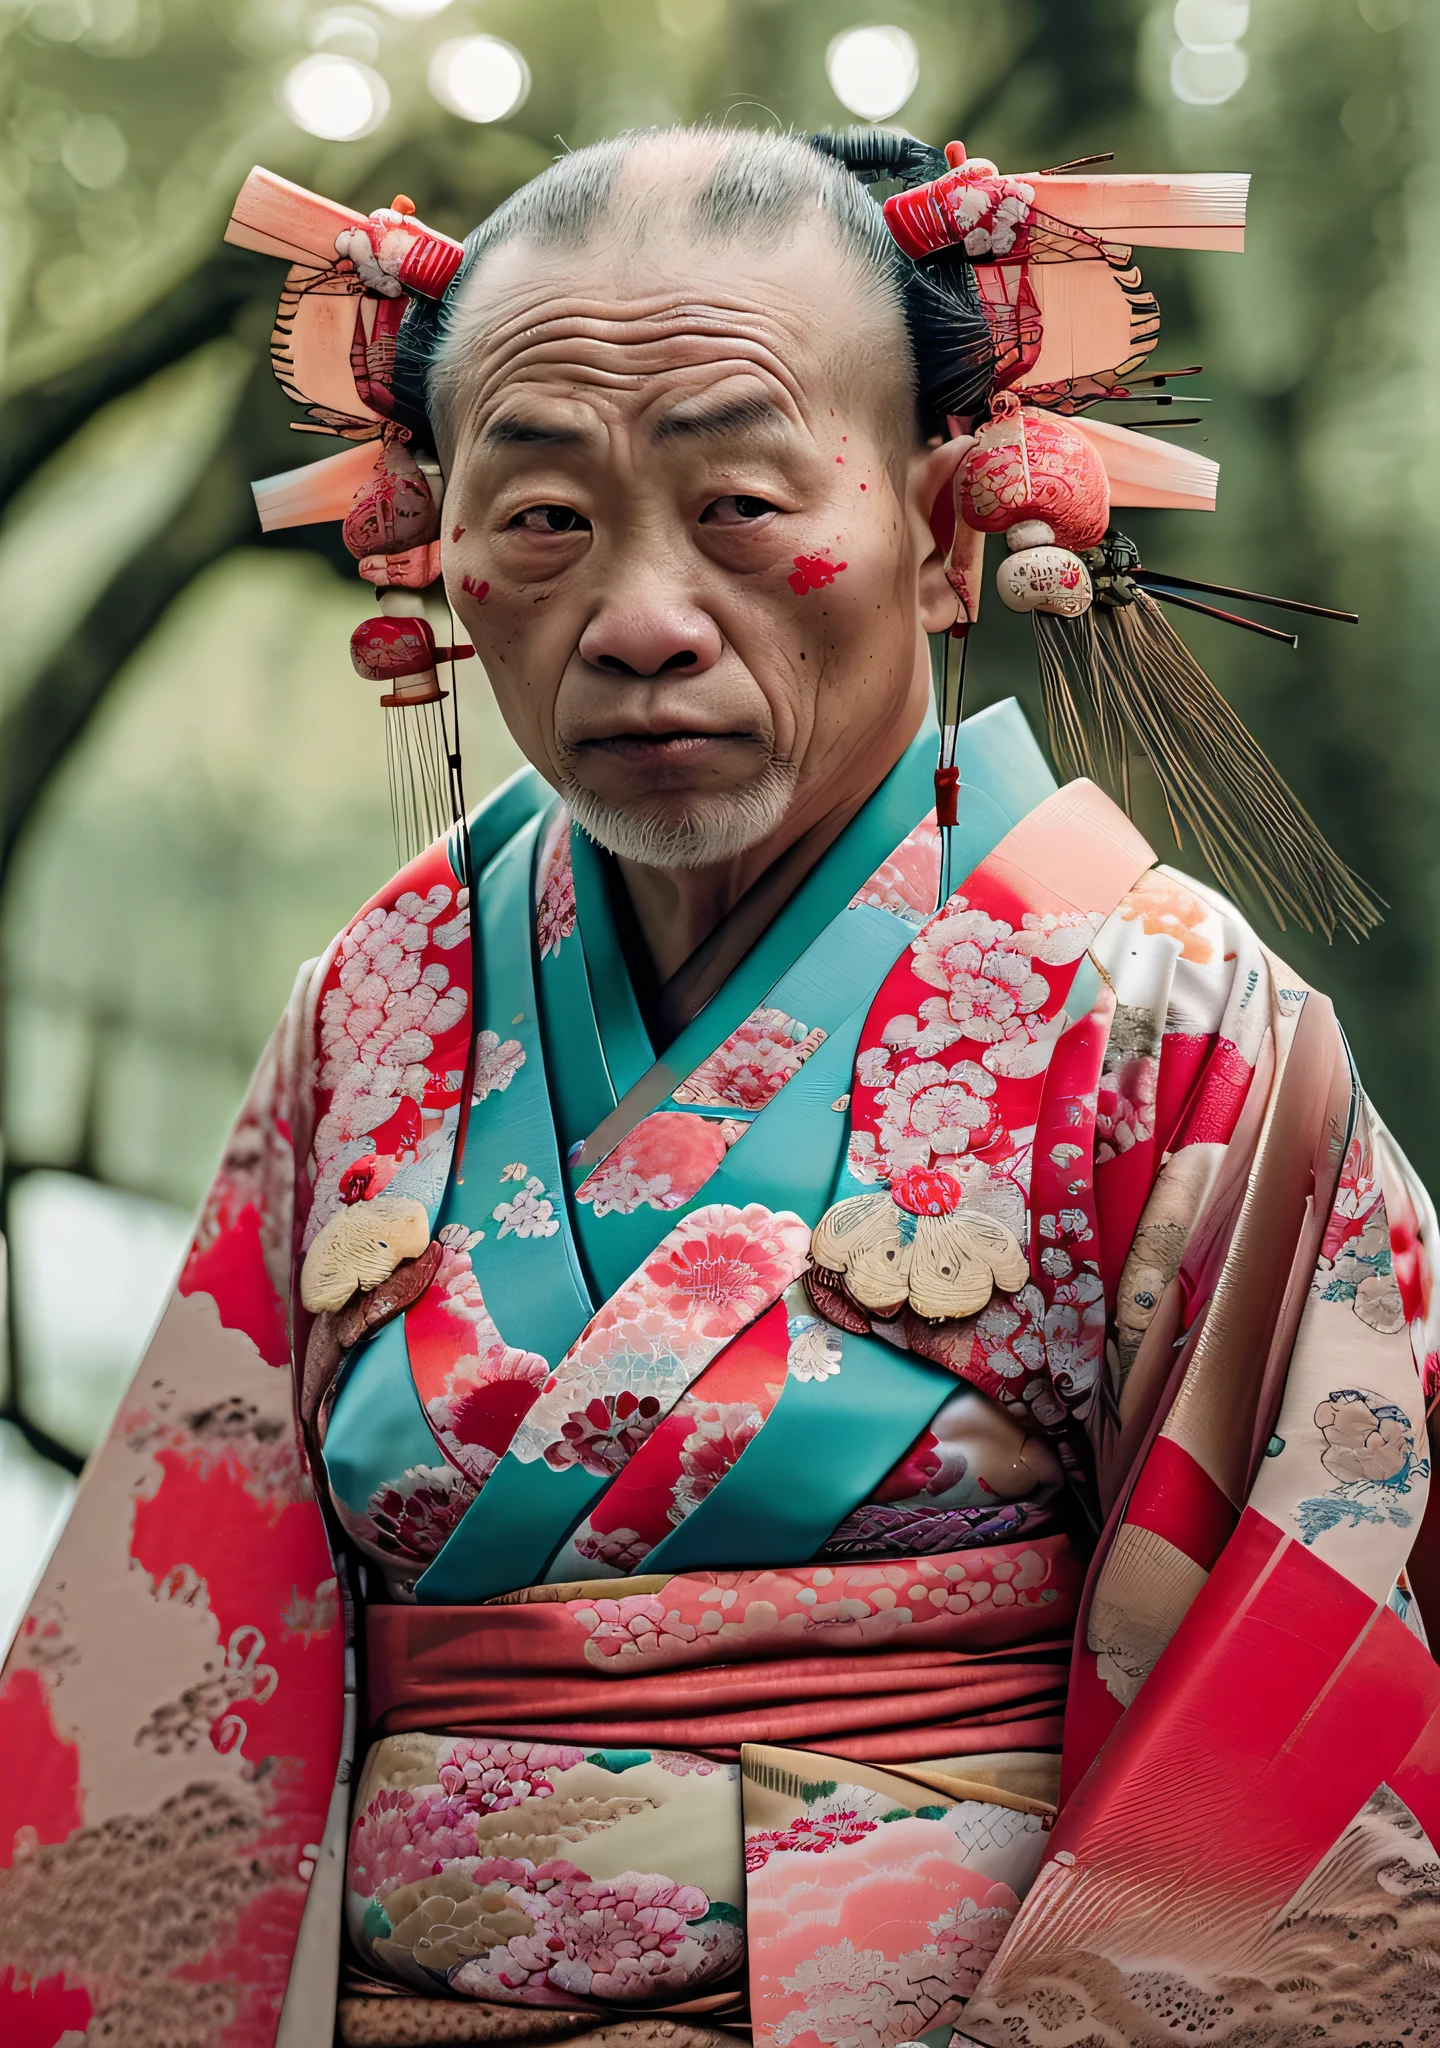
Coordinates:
619 1618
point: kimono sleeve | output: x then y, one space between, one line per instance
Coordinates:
170 1712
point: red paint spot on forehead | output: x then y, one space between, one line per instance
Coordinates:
473 587
814 572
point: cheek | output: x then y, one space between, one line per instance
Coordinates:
815 572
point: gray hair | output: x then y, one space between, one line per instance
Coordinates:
758 185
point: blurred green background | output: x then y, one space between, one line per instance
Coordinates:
191 780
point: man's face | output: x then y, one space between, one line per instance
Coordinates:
687 552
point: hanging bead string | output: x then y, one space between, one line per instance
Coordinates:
950 693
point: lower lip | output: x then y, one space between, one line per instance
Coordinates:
677 749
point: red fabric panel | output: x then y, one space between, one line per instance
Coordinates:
1285 1698
1177 1499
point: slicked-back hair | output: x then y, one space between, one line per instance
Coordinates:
758 186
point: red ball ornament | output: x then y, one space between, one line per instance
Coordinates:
384 649
927 1191
393 510
1029 465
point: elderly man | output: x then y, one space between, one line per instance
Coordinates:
857 1409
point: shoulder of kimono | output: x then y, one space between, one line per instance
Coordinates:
435 875
506 811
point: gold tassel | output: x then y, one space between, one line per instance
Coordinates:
1121 673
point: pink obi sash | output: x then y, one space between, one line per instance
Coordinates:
890 1661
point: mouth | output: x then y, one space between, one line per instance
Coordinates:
667 749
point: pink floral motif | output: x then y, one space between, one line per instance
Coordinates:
624 1940
809 1834
753 1064
403 1836
909 881
970 1596
710 1276
605 1434
1357 1198
666 1159
624 1550
720 1434
474 1386
494 1776
722 1267
414 1514
555 909
679 1763
483 1405
862 1998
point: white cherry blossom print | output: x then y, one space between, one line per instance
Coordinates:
1075 1336
529 1213
924 1035
815 1348
497 1062
1057 937
1025 1049
872 1067
386 1030
932 1108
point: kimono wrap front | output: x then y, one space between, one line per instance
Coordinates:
729 1639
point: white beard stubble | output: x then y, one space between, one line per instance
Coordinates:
709 830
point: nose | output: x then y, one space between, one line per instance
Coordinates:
650 638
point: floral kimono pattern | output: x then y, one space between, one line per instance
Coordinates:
801 1706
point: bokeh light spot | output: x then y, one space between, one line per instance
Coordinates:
480 78
873 71
346 34
334 97
1211 24
1206 78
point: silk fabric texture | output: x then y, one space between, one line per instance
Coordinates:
180 1676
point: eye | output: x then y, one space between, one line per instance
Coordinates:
550 519
737 511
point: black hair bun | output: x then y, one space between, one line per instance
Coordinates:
950 336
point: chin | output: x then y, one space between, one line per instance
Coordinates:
686 829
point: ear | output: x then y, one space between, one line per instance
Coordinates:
930 509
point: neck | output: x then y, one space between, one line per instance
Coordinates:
679 910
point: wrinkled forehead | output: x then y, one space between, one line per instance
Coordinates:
648 310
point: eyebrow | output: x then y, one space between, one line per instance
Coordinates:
514 428
721 419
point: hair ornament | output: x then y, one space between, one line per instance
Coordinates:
351 278
1073 328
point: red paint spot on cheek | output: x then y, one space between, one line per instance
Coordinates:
839 458
473 587
455 535
814 572
864 487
